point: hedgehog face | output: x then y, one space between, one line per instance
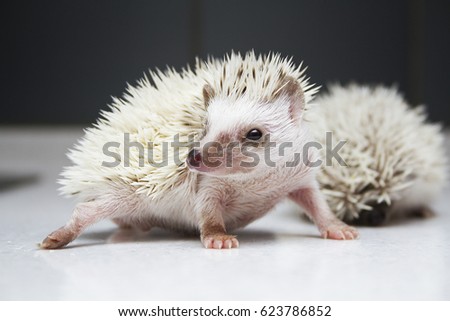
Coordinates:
242 135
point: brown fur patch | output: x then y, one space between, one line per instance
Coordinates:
212 226
224 138
208 94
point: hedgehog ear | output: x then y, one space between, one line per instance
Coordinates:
208 94
291 88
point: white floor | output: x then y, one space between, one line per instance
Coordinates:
281 256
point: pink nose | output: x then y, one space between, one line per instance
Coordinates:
194 158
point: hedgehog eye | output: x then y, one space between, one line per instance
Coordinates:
254 134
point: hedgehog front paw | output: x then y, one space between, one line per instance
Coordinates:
220 241
58 239
339 231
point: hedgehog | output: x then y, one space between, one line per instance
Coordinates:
395 163
193 151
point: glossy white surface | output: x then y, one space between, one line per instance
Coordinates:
281 256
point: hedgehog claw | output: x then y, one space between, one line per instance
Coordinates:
339 231
219 242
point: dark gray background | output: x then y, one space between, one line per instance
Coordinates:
63 60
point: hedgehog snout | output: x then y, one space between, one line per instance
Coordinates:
194 158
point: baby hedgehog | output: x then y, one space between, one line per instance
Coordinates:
200 151
395 161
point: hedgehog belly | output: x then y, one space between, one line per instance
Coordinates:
247 209
174 210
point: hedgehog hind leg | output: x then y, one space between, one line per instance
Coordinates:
84 215
122 223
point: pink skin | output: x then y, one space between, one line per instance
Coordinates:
214 235
219 242
202 168
196 164
84 215
212 227
313 202
217 165
214 200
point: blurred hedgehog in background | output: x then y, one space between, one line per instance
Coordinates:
395 160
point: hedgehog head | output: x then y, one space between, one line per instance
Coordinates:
242 135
